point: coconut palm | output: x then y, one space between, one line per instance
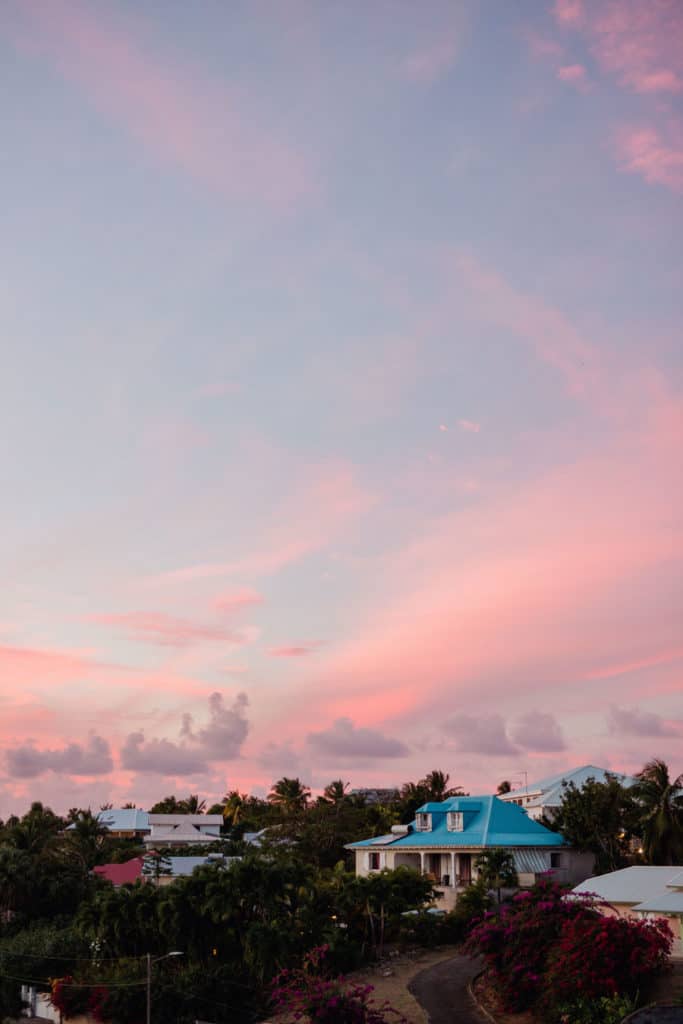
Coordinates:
192 805
660 800
435 783
233 807
335 792
289 795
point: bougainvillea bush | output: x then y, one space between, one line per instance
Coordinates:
606 956
544 950
308 993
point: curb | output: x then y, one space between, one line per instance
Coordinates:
482 1009
652 1006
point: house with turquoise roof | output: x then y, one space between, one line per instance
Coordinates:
445 840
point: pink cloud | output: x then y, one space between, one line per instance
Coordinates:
469 426
233 600
22 665
646 152
637 41
539 583
541 45
329 502
189 122
291 652
569 12
574 74
426 65
166 630
551 335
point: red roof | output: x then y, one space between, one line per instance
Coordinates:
121 874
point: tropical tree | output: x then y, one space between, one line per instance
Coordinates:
435 783
169 805
335 792
496 870
192 804
233 807
597 818
504 787
86 838
660 809
289 795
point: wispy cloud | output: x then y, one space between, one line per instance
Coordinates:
198 126
293 651
166 630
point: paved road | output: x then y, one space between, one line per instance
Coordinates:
442 992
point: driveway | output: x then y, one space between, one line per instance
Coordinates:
442 992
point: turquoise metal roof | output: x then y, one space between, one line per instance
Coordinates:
487 821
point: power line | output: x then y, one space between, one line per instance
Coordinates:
74 984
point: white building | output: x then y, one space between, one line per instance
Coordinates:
543 798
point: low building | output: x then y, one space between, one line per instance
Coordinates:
124 822
542 799
142 869
445 840
183 829
642 891
376 796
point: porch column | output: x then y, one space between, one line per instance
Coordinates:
452 856
422 863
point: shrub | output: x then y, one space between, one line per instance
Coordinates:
607 1010
606 956
323 1000
547 952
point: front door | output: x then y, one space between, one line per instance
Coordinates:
465 868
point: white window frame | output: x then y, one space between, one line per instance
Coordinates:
423 821
372 854
456 821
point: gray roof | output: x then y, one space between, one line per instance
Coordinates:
550 789
634 885
125 819
181 867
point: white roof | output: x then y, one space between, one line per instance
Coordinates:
638 884
550 789
186 819
668 902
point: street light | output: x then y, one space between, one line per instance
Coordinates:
151 961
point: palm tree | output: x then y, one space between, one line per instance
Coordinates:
233 807
192 805
496 870
436 785
290 795
335 792
86 838
660 801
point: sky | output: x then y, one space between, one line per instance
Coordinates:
341 403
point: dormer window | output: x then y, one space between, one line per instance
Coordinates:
423 822
455 821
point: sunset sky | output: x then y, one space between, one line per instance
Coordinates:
341 395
